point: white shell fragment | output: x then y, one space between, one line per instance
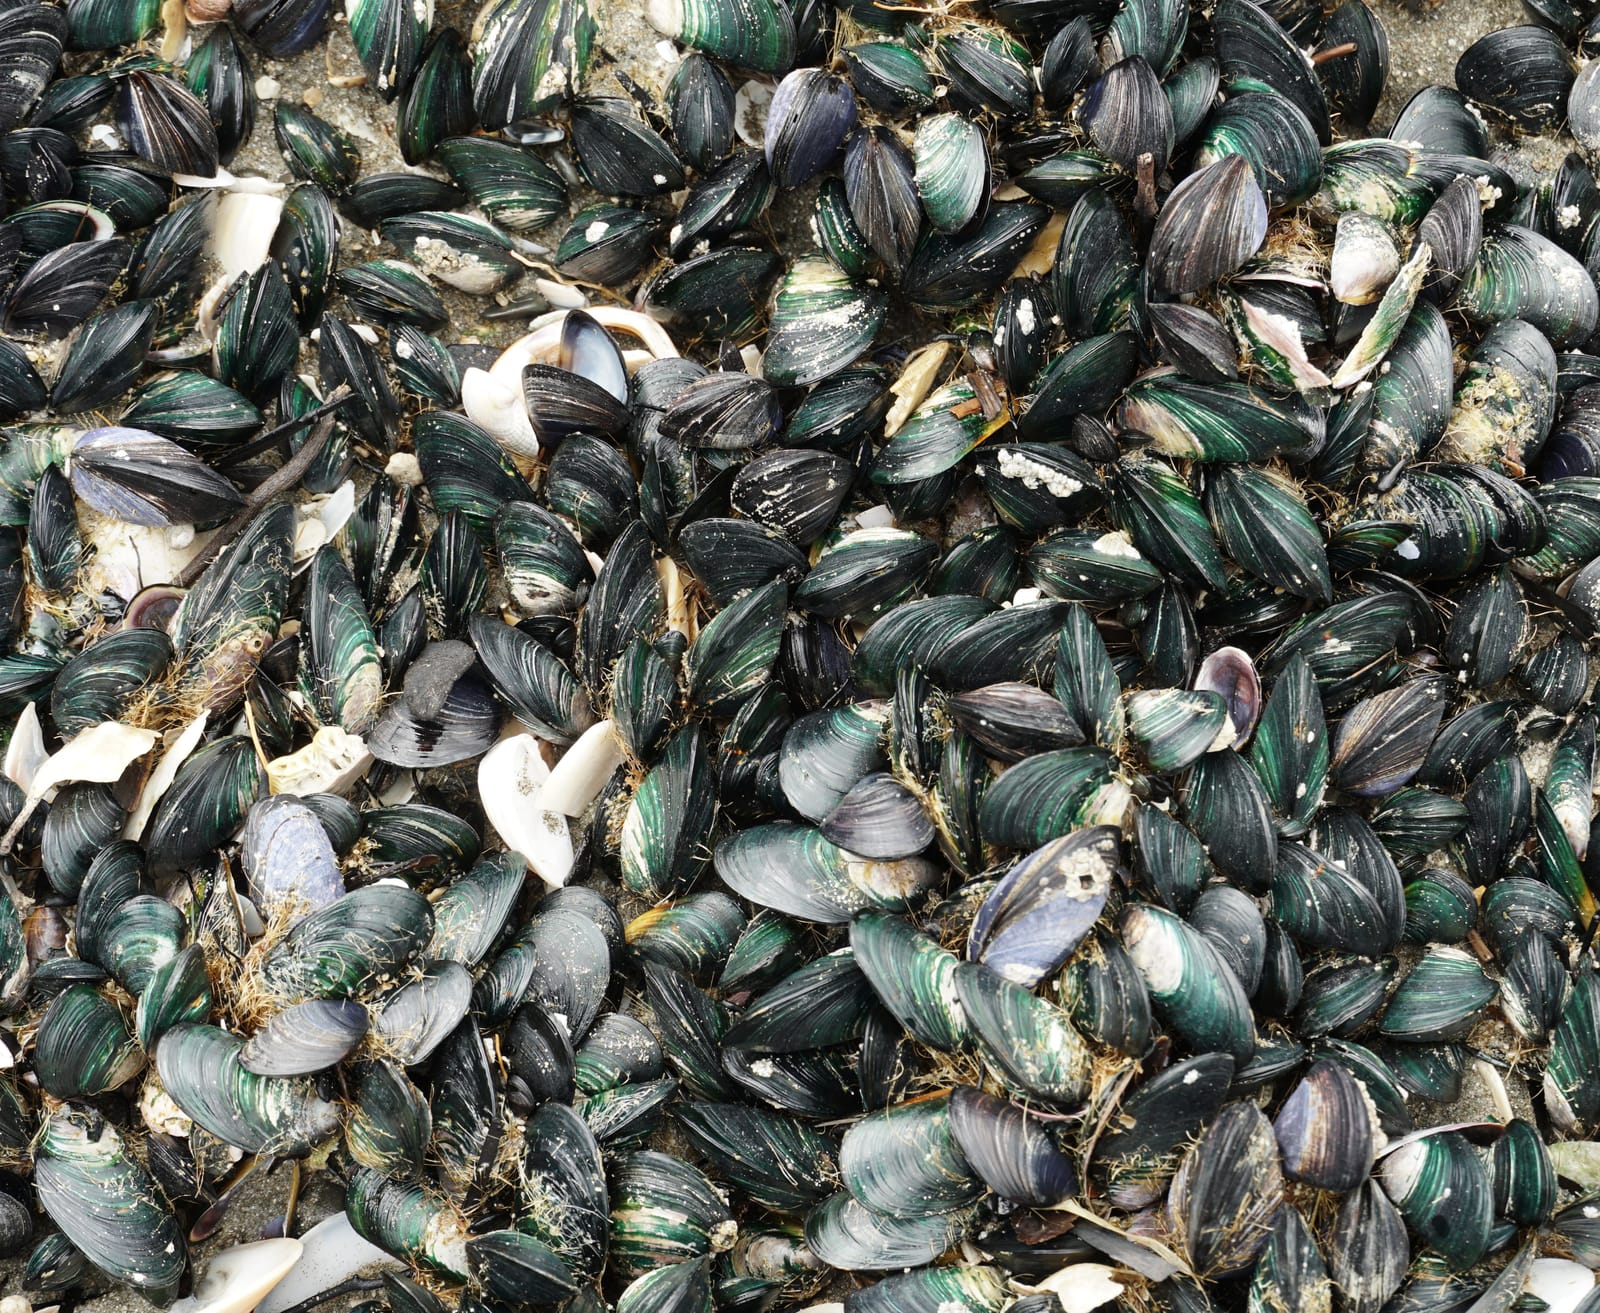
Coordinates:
1560 1282
238 1279
333 1253
576 780
319 520
330 763
403 467
242 229
914 383
26 752
562 295
98 754
512 779
1577 1160
127 557
178 744
674 588
1083 1286
499 411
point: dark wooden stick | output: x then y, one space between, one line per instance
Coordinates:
349 1287
279 482
266 441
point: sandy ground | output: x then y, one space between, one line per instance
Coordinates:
1423 49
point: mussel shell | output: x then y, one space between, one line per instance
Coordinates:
1442 1188
83 1046
1014 1156
306 1038
904 1162
366 935
167 124
414 1020
1128 116
205 805
1520 73
200 1070
846 1234
1227 1191
106 1203
1325 1129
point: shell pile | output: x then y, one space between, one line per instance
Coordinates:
1027 746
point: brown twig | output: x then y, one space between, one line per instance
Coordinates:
1146 195
1334 52
279 482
